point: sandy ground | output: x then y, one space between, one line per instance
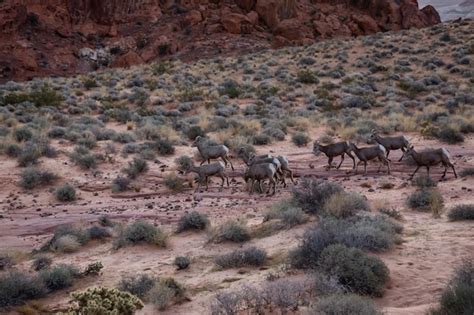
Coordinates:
420 266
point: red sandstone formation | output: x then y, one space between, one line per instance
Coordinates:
62 37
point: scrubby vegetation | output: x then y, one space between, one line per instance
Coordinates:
193 221
461 212
102 300
426 200
251 256
231 231
141 231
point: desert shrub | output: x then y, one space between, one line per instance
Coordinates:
231 231
93 269
324 284
66 193
28 156
450 135
120 183
343 204
307 77
166 292
18 287
184 162
96 232
31 178
467 172
104 220
164 146
424 181
461 212
12 150
6 261
458 297
192 221
194 131
376 234
58 277
243 257
261 139
182 262
141 231
41 262
138 285
23 134
173 182
67 244
103 300
77 238
426 200
312 194
340 304
300 139
354 269
391 212
288 212
57 132
136 167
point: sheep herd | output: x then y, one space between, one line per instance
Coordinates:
276 169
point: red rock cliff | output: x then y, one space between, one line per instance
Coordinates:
62 37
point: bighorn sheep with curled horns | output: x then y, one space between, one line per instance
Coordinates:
431 158
209 152
334 149
391 143
370 153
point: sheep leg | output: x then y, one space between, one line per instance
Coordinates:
454 171
445 171
417 168
251 186
428 170
260 186
199 184
401 158
353 159
290 172
202 162
274 188
365 167
231 166
342 160
330 163
388 167
208 161
222 178
207 183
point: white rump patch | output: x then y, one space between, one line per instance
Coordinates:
381 147
446 152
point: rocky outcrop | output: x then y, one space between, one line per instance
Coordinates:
61 37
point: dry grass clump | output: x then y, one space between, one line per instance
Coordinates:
461 212
343 205
138 232
251 256
193 221
231 231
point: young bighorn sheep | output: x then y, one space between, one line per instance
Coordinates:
430 158
391 143
253 160
333 150
285 167
208 170
259 172
370 153
245 155
209 152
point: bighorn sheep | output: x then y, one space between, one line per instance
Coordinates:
209 152
333 150
285 167
208 170
370 153
391 143
259 172
253 160
245 156
430 158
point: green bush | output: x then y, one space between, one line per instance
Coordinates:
182 262
231 231
103 300
192 221
261 139
29 156
184 162
164 147
307 77
450 135
96 232
458 297
67 244
461 212
18 287
467 172
66 193
424 181
58 277
345 304
426 200
32 178
288 212
243 257
300 139
6 261
141 231
194 131
173 182
354 269
138 285
93 269
78 236
343 205
312 194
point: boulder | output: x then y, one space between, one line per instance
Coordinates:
273 11
246 5
235 23
127 60
366 23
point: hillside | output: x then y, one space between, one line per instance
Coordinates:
89 172
71 37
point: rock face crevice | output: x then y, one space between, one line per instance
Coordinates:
61 37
